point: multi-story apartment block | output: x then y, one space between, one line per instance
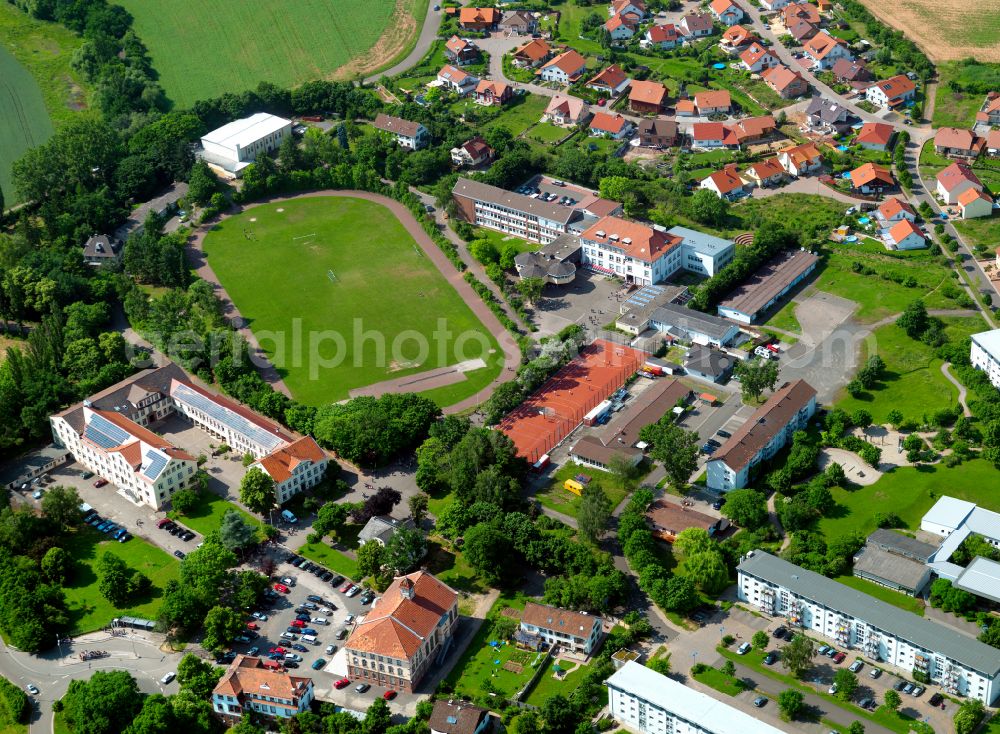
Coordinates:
985 354
960 664
409 629
250 685
650 703
762 435
575 631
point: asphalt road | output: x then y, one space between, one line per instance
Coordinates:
429 31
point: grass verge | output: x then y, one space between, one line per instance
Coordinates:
331 558
207 516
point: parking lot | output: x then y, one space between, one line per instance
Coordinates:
336 608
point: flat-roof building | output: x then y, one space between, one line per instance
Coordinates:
960 664
235 146
762 435
650 703
693 326
955 520
647 408
890 570
764 288
985 354
703 253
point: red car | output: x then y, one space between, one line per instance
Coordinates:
839 657
280 650
342 683
346 587
389 695
163 522
100 482
298 623
282 588
773 348
253 626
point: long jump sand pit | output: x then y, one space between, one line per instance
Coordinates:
554 409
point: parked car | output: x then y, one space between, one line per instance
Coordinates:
253 626
839 657
298 623
331 649
100 482
354 591
318 663
917 690
253 651
291 664
180 554
832 689
309 605
717 505
867 703
368 597
87 474
875 672
899 685
760 702
831 652
723 433
124 537
346 587
779 632
302 617
282 588
309 631
336 581
389 695
314 598
300 648
744 648
259 615
936 699
770 658
856 666
908 688
342 683
290 636
361 687
823 650
187 536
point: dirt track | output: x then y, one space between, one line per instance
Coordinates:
946 30
512 354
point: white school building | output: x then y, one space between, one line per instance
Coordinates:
235 146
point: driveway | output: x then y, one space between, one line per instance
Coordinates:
806 185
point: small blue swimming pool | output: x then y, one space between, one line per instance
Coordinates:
864 220
845 174
842 148
851 238
718 66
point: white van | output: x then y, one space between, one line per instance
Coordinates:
319 620
289 517
310 639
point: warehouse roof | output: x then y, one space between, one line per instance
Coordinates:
905 572
982 578
241 133
907 626
693 706
769 281
671 314
901 545
648 407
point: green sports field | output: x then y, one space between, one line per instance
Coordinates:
275 261
202 48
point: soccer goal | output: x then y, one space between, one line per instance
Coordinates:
331 276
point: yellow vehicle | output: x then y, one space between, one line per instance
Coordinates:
573 486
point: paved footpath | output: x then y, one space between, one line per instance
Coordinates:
512 354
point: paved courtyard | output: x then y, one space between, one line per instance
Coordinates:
592 301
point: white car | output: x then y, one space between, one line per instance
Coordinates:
319 620
326 612
167 678
330 649
293 657
350 619
832 689
259 615
288 581
33 689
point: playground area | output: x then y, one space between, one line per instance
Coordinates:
552 411
501 667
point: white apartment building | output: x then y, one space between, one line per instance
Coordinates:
576 631
960 664
985 354
506 211
650 703
762 435
296 467
144 466
235 146
703 253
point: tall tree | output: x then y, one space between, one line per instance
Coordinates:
594 513
62 506
791 703
405 549
417 504
675 448
846 682
797 655
371 557
746 507
104 704
756 376
257 491
222 624
235 531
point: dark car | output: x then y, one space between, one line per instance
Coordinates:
367 597
336 580
124 537
180 554
308 566
315 599
318 571
936 699
168 525
713 442
831 652
326 576
780 632
717 505
291 664
899 685
297 561
303 617
292 630
188 535
770 658
708 449
760 702
724 434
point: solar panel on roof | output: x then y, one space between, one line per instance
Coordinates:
156 464
228 417
104 433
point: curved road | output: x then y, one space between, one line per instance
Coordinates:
428 33
512 354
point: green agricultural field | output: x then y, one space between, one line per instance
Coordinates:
88 609
913 383
202 48
388 312
909 492
37 86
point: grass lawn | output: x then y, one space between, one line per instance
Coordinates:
785 319
207 516
877 297
40 88
913 383
954 109
482 663
520 114
715 678
984 231
88 609
548 685
202 49
557 498
502 239
331 558
546 132
452 569
59 725
909 492
908 603
279 280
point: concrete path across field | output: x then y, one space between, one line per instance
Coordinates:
512 354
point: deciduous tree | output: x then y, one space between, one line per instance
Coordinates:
257 491
797 655
235 531
756 376
791 704
675 448
594 513
746 507
222 624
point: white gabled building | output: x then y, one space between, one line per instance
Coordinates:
985 354
235 146
260 688
146 467
296 467
762 435
575 631
408 134
960 664
650 703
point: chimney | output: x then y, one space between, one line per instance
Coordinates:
406 588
